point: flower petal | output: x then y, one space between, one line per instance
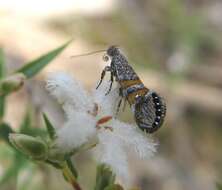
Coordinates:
107 103
110 152
68 92
134 139
76 131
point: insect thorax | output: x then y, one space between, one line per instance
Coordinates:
122 69
129 81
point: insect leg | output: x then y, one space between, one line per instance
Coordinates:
107 68
118 107
120 102
110 87
124 104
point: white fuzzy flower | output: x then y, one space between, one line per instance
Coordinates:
75 132
107 103
68 92
94 115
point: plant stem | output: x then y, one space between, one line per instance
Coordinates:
76 186
70 178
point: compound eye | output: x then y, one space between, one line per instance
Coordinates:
105 57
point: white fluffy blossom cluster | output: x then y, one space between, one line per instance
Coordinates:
93 116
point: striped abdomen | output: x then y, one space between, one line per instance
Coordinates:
131 89
150 112
148 107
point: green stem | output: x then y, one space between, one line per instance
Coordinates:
83 148
70 178
76 186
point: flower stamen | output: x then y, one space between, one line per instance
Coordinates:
95 110
104 120
108 127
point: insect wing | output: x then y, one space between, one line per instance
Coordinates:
150 112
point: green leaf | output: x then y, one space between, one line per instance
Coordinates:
26 123
57 165
2 64
11 173
104 177
25 182
2 107
33 67
114 187
5 130
49 126
34 147
219 186
71 167
27 128
12 83
8 174
2 74
36 132
69 177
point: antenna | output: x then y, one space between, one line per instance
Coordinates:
85 54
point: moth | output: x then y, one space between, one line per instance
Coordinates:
148 107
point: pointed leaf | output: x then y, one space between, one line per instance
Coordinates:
26 123
5 130
49 126
25 182
34 147
18 163
69 177
2 74
36 132
57 165
2 64
12 83
104 177
71 167
2 107
219 186
33 67
27 128
114 187
8 174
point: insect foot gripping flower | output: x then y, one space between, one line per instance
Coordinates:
94 116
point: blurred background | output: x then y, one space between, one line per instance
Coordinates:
175 46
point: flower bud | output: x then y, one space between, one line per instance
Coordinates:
12 83
31 146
